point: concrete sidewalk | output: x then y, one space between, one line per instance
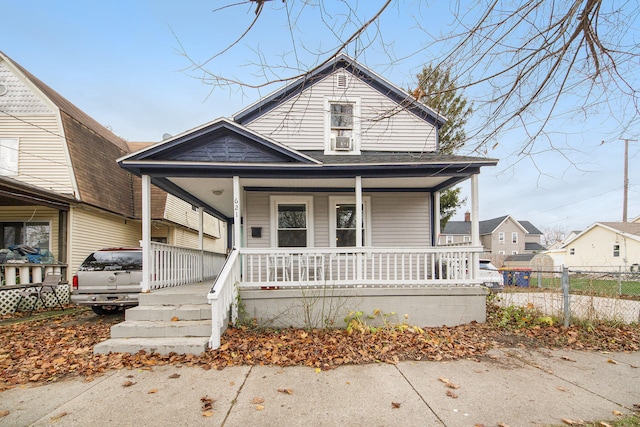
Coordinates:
517 387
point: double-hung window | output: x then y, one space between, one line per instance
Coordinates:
501 237
343 221
342 126
616 250
514 237
292 223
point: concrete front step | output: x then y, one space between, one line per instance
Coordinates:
179 295
168 312
163 346
160 329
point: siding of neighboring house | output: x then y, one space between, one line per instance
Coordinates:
299 122
91 229
42 159
181 212
187 238
595 248
507 227
34 214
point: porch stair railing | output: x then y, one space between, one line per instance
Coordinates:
177 266
223 297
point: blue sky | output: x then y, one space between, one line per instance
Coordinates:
120 62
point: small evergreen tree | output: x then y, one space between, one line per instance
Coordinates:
439 91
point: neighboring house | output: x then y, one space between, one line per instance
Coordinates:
501 237
332 181
605 244
61 190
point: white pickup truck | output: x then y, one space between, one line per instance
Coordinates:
108 280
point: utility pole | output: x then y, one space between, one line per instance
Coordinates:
626 177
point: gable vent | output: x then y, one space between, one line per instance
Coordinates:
341 81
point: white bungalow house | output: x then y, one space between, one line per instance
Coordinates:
331 187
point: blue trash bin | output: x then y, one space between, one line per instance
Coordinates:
516 277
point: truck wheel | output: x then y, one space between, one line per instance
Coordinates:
105 309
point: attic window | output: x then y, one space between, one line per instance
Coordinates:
341 81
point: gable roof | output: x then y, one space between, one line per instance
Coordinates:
531 229
627 229
341 61
93 151
487 226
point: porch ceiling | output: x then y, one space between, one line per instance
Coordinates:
218 192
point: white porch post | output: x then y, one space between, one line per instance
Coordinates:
146 233
475 225
201 241
359 224
436 217
237 197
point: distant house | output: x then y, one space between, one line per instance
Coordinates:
605 244
61 189
500 237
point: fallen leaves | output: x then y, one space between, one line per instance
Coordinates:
285 390
452 394
174 376
4 413
45 351
128 384
395 405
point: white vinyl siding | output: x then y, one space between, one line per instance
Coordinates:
90 230
257 215
42 158
595 248
400 220
181 212
397 219
300 122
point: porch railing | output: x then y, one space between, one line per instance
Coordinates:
363 267
23 273
176 266
223 297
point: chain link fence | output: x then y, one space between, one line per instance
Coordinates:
593 294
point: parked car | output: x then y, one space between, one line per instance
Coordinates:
491 276
108 280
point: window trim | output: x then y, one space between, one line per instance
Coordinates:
514 237
616 250
328 149
501 237
287 200
366 218
9 155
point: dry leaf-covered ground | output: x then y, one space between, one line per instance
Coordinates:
38 351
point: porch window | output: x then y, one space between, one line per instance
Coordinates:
34 234
8 157
292 223
343 221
